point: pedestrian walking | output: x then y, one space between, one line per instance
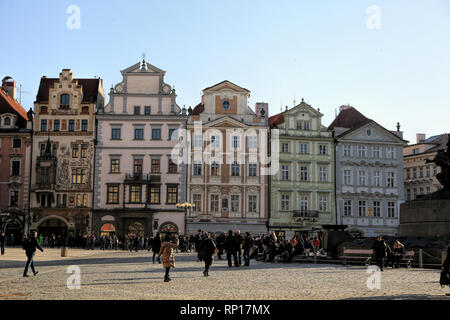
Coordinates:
230 247
379 249
2 242
206 249
239 241
445 273
156 246
398 252
30 245
166 252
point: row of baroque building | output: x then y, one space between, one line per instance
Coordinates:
140 163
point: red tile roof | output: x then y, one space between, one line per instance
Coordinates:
441 142
198 109
90 89
276 119
349 118
8 104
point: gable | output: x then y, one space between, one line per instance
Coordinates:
372 131
225 85
226 122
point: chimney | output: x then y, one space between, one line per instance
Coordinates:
10 87
420 137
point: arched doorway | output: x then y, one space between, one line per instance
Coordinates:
168 228
136 229
107 229
53 226
14 233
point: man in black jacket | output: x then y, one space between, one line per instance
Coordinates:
2 242
239 241
230 247
380 251
247 245
30 246
206 250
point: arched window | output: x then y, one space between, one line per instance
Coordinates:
65 101
7 121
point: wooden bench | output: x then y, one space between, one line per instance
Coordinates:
407 258
362 255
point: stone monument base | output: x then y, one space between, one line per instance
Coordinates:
425 218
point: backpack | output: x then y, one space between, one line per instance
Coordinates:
26 244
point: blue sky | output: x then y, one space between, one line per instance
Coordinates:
322 51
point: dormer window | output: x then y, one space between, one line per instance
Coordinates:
64 101
7 121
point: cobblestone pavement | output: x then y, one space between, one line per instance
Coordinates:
125 275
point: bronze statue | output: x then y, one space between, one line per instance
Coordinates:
442 159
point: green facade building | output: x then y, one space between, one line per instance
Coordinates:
302 192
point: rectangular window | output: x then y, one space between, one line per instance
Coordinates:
78 176
75 150
172 194
84 125
156 134
252 204
304 203
173 168
137 110
197 168
135 194
138 133
376 206
347 177
303 148
215 142
137 167
252 142
376 152
421 172
391 179
299 125
17 143
115 165
198 141
214 204
115 134
348 208
408 194
285 147
79 202
155 195
43 125
347 150
323 174
391 209
214 169
235 169
197 201
235 143
303 173
56 125
362 208
85 200
428 190
71 125
362 151
362 178
376 179
14 198
390 153
15 168
234 203
323 203
284 172
172 134
84 150
285 202
147 110
156 165
322 149
428 171
252 167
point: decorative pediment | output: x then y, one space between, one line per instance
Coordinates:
226 85
372 131
226 122
141 67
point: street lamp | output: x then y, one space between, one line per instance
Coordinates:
185 206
